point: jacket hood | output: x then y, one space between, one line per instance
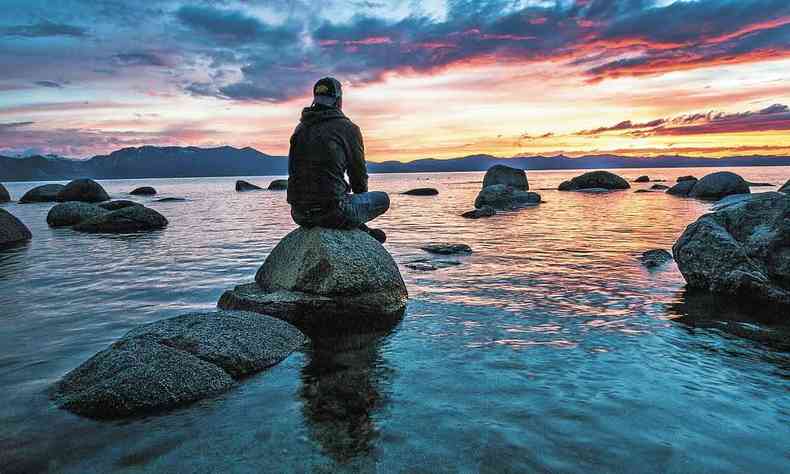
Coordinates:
315 114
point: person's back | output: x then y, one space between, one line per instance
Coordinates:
324 147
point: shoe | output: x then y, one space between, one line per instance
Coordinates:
377 234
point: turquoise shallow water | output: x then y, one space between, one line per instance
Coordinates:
549 349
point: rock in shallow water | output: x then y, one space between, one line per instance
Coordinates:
500 196
143 191
72 213
485 211
12 230
127 219
4 195
85 190
742 250
655 258
595 180
718 185
421 192
325 280
682 188
642 179
242 186
686 178
505 175
444 248
44 193
278 185
175 361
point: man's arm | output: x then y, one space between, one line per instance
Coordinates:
357 169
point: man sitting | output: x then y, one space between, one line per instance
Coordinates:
324 147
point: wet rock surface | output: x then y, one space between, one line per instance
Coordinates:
742 250
718 185
85 190
72 213
118 204
485 211
174 362
12 230
127 219
44 193
504 197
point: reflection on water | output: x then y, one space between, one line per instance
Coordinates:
549 348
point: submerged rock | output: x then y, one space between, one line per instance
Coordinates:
785 188
85 190
428 265
242 185
741 250
718 185
173 362
325 281
686 178
45 193
659 187
642 179
505 175
655 258
445 248
171 199
682 188
127 219
12 230
143 191
595 180
278 185
422 192
485 211
72 213
118 204
500 196
4 196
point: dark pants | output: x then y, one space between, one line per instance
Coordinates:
349 213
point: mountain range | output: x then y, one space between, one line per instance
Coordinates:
182 162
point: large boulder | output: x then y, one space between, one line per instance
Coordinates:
143 191
12 230
127 219
743 249
278 185
501 174
785 188
44 193
325 281
85 190
500 196
4 195
718 185
595 180
175 361
242 186
682 188
72 213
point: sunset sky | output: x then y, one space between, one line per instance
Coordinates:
422 78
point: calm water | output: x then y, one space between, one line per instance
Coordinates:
548 349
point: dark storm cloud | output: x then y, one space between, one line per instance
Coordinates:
232 26
43 29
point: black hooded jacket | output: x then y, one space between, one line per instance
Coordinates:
324 146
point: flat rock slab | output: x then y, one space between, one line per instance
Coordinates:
143 191
429 265
444 248
174 362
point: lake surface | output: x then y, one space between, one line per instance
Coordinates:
550 348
